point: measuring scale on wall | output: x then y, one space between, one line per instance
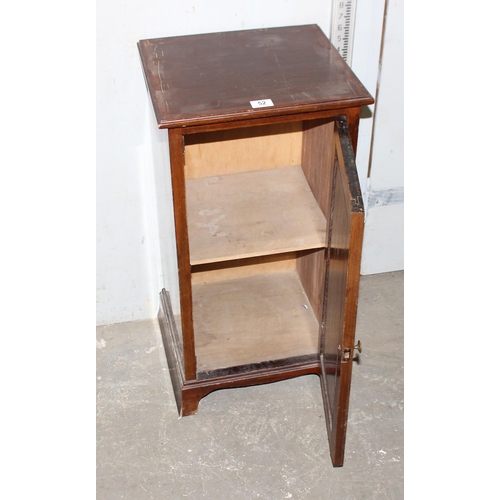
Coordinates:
343 14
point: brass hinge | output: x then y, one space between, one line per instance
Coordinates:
346 353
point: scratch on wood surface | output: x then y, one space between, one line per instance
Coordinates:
159 76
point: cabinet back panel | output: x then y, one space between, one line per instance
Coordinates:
243 150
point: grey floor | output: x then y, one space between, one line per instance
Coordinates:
265 442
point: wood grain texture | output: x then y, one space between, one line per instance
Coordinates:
352 121
263 373
243 150
311 271
250 320
182 242
355 245
210 78
172 345
253 213
317 160
257 121
341 295
317 164
241 268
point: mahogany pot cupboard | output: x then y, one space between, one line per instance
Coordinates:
262 128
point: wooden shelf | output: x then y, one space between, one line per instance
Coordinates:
254 319
248 214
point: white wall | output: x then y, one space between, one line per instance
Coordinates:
130 268
383 248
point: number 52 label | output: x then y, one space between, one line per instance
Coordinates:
262 103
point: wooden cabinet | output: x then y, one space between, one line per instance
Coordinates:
262 128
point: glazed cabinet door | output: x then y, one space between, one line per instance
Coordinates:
343 257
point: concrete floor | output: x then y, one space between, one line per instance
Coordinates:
265 442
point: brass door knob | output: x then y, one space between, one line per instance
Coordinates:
358 346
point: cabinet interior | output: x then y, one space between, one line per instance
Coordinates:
257 211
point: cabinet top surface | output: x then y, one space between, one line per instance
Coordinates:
212 78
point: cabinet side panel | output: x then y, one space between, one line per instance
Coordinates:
317 165
182 241
311 271
317 159
172 345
